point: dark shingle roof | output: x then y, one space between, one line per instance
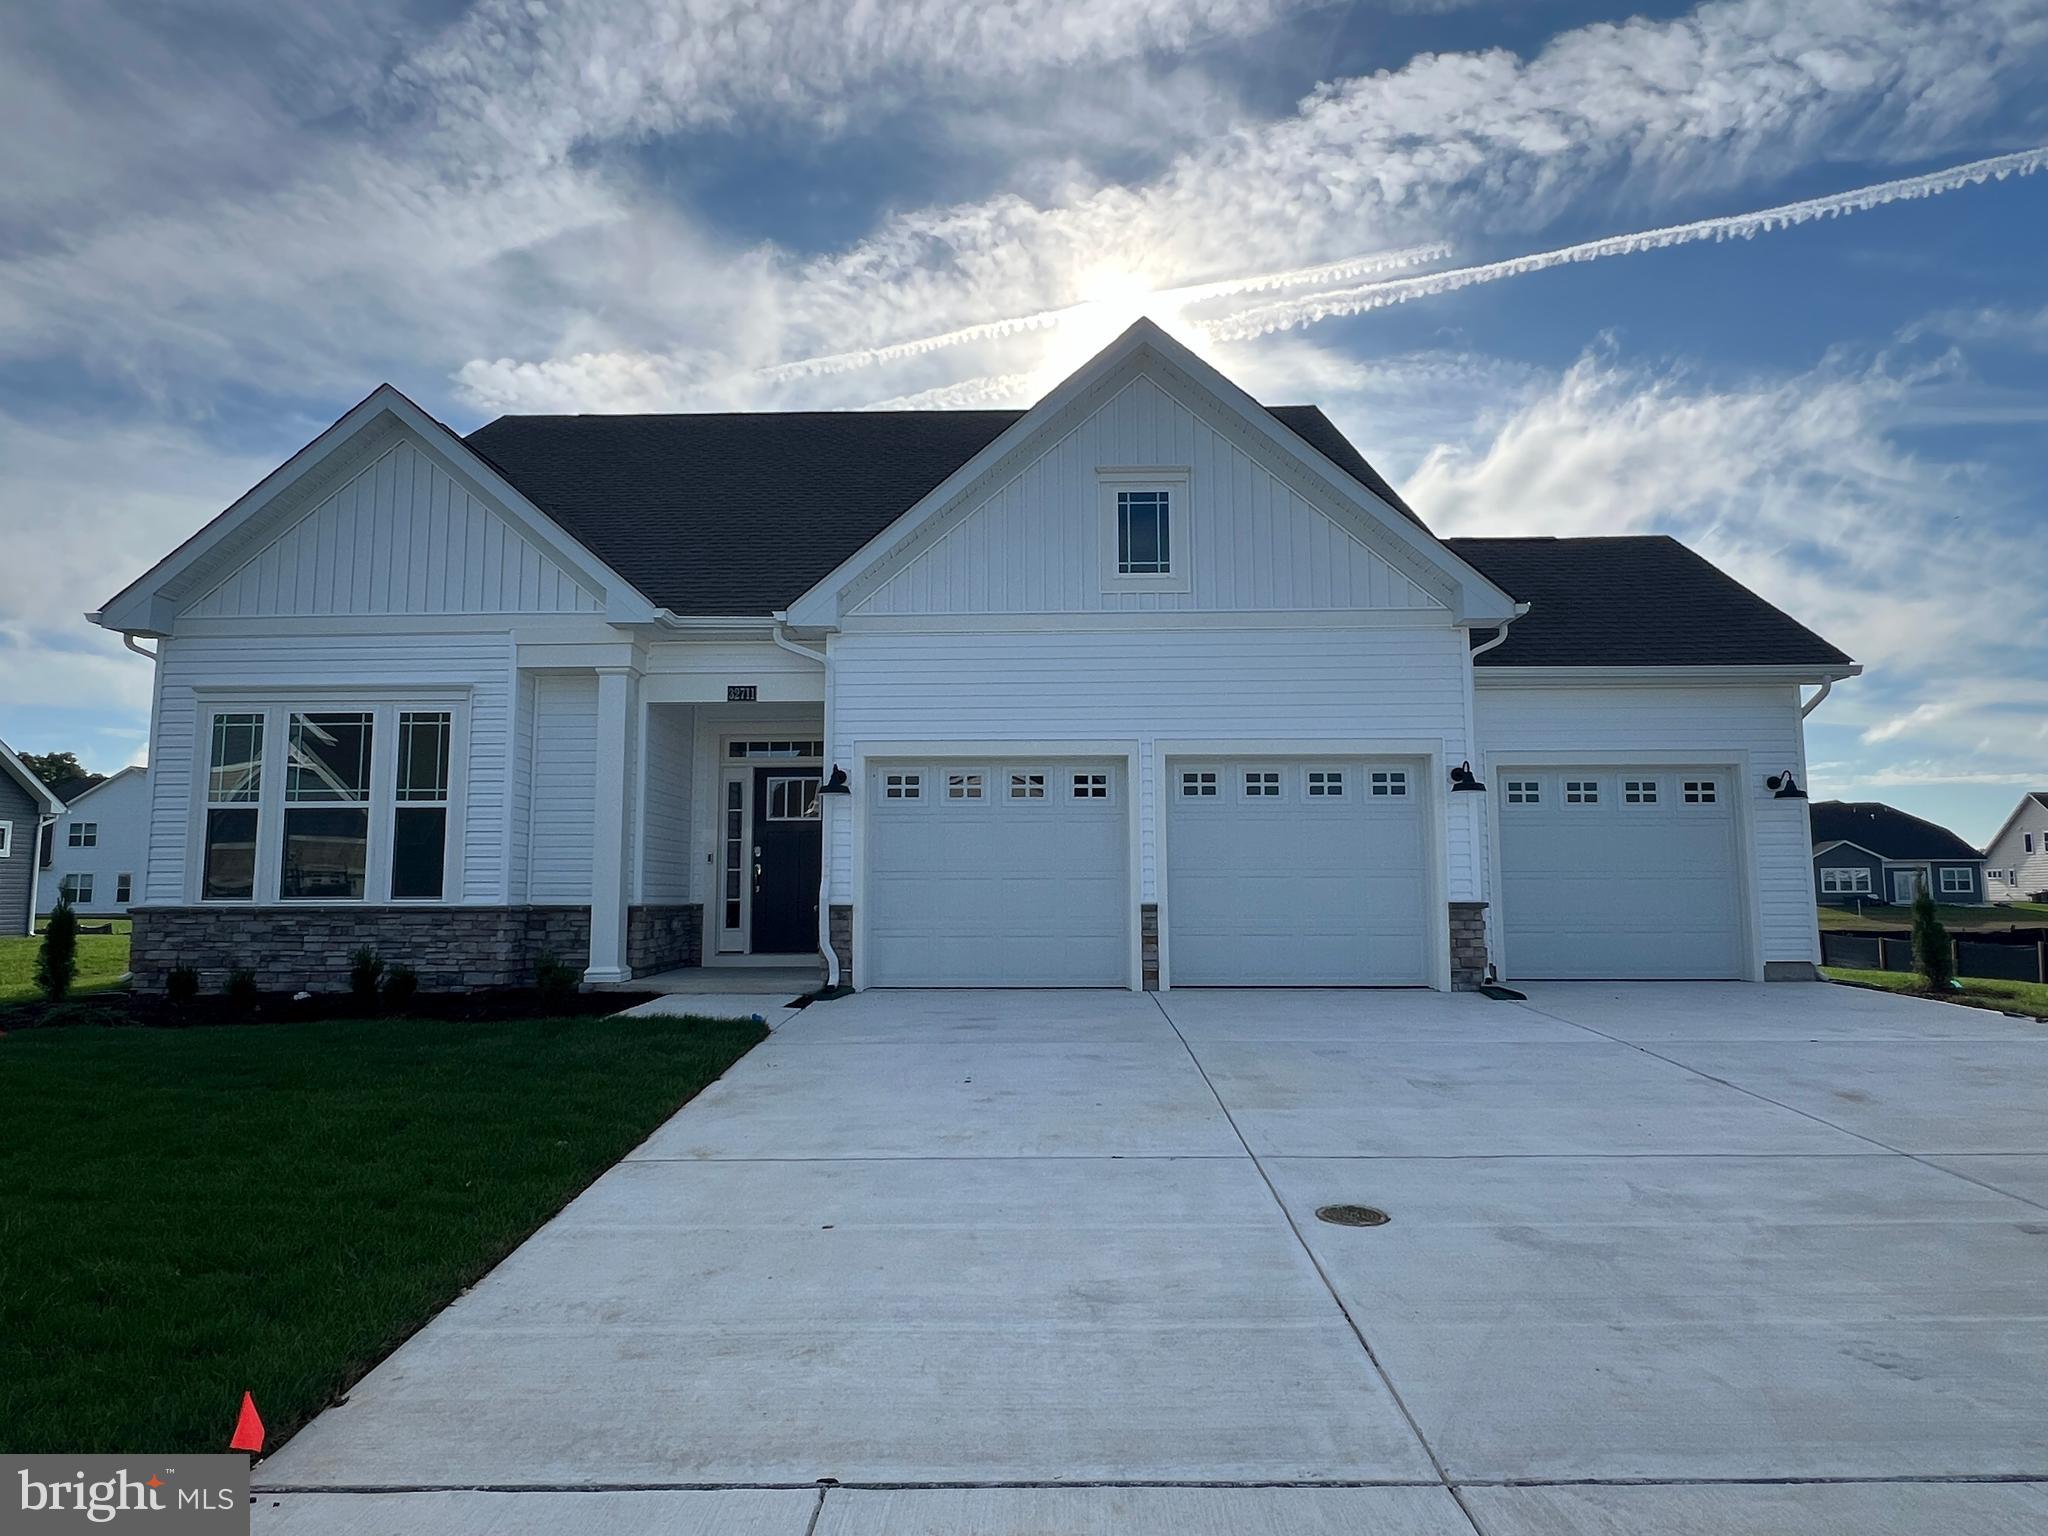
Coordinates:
1885 831
1644 601
69 790
742 514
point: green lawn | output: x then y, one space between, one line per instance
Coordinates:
2018 996
2018 914
189 1213
102 961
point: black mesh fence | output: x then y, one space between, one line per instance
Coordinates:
2000 959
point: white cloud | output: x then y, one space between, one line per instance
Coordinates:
1797 489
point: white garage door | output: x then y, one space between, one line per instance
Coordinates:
1628 873
1296 874
997 874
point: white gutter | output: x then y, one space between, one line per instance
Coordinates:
1501 633
1827 686
128 639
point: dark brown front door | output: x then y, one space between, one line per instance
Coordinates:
788 855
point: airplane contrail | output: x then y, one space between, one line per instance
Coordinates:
1285 314
992 330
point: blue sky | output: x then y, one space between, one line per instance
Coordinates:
242 215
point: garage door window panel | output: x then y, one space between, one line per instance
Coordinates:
1262 784
1524 792
1325 783
1090 786
1581 791
1389 784
1027 784
1198 783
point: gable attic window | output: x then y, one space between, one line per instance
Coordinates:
1144 530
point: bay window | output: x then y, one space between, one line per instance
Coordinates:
357 807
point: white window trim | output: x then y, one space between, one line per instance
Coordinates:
1335 782
1174 480
1523 791
6 839
1846 882
126 878
1279 778
972 786
384 707
82 834
1013 790
1967 888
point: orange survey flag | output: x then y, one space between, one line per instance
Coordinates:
248 1428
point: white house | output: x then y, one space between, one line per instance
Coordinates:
98 844
1149 685
2016 863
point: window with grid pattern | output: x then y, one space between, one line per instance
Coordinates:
1198 784
1325 783
1639 791
1581 791
1261 784
1524 792
1389 782
1027 786
902 786
1700 791
963 786
1091 786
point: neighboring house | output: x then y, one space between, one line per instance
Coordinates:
26 807
1149 685
1872 853
95 852
2016 863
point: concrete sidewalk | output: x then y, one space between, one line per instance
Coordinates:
1665 1244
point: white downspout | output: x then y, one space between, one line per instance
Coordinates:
1501 633
831 956
1486 843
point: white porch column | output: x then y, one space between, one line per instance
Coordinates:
611 860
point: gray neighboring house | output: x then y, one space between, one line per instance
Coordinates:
26 807
1864 851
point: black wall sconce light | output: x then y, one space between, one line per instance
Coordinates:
1464 780
836 785
1784 787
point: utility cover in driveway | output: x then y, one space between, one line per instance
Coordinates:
1619 872
1001 873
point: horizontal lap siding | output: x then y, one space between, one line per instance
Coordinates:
278 665
564 787
1035 545
1238 684
671 754
1664 721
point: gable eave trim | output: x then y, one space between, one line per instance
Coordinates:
150 605
1415 552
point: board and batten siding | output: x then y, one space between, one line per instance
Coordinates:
1036 545
401 536
1709 724
564 804
1181 683
320 669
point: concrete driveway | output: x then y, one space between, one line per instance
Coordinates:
1662 1259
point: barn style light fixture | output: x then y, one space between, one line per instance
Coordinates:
1464 780
836 785
1784 786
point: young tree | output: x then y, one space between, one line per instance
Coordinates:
57 960
1934 957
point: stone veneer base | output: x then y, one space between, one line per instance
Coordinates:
1468 945
310 948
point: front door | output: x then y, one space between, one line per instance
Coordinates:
788 858
1906 884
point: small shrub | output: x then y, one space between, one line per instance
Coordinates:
181 987
240 990
1934 957
84 1015
365 971
400 983
57 960
554 980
